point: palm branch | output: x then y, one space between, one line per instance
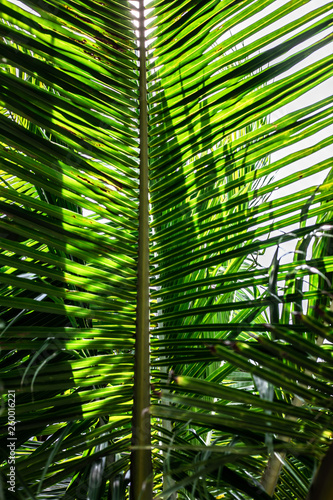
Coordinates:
159 343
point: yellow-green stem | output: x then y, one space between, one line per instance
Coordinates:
141 468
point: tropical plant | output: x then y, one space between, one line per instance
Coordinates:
156 343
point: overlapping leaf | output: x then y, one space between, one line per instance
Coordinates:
69 201
214 83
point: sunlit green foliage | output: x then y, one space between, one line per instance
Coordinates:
240 338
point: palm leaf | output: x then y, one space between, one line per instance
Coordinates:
153 349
